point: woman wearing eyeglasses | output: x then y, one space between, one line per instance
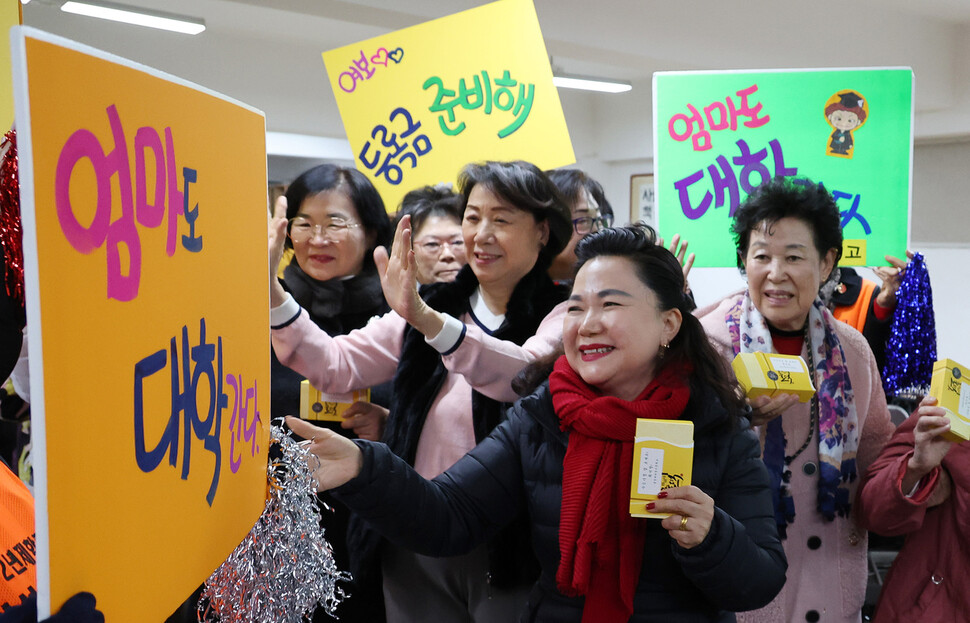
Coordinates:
452 352
335 218
585 215
439 249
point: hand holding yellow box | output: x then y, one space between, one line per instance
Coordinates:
318 406
951 388
663 457
767 374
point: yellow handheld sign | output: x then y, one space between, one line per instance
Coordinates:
9 17
419 103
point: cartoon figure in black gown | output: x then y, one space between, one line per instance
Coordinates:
845 111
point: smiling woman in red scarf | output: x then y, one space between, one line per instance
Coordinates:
564 454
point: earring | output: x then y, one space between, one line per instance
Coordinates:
663 350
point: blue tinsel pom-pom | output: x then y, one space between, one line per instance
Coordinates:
911 347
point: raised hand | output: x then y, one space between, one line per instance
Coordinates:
399 280
680 252
891 277
398 272
929 446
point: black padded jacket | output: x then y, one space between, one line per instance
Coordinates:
518 469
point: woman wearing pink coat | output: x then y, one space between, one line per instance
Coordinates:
789 240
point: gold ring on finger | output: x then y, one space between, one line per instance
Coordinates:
683 523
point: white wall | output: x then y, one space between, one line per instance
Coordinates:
946 265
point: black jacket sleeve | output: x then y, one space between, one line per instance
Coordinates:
449 515
741 564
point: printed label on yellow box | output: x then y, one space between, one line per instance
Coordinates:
964 407
787 364
316 405
663 456
651 471
951 388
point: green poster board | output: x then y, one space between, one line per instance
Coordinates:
718 135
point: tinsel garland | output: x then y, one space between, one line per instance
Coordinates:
284 568
11 234
911 347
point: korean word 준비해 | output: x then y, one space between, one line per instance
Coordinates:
202 359
362 68
725 182
727 118
395 149
479 95
135 203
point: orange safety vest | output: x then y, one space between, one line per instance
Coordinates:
18 549
855 315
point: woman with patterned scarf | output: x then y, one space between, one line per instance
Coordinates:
564 456
789 240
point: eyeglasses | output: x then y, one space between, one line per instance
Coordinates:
587 224
301 229
434 247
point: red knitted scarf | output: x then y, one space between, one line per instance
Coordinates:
600 545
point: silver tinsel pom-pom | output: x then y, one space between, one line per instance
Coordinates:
284 568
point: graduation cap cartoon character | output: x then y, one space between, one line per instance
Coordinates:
845 111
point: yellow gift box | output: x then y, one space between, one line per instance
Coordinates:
951 388
767 374
663 457
318 406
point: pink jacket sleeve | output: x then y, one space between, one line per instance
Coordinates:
489 364
363 358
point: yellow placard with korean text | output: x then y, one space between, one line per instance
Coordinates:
144 213
419 103
9 17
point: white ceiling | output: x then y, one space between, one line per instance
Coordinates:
267 54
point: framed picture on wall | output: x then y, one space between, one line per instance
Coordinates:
643 205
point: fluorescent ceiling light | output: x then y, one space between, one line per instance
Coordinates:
591 84
134 15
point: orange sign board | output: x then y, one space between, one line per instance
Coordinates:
144 212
